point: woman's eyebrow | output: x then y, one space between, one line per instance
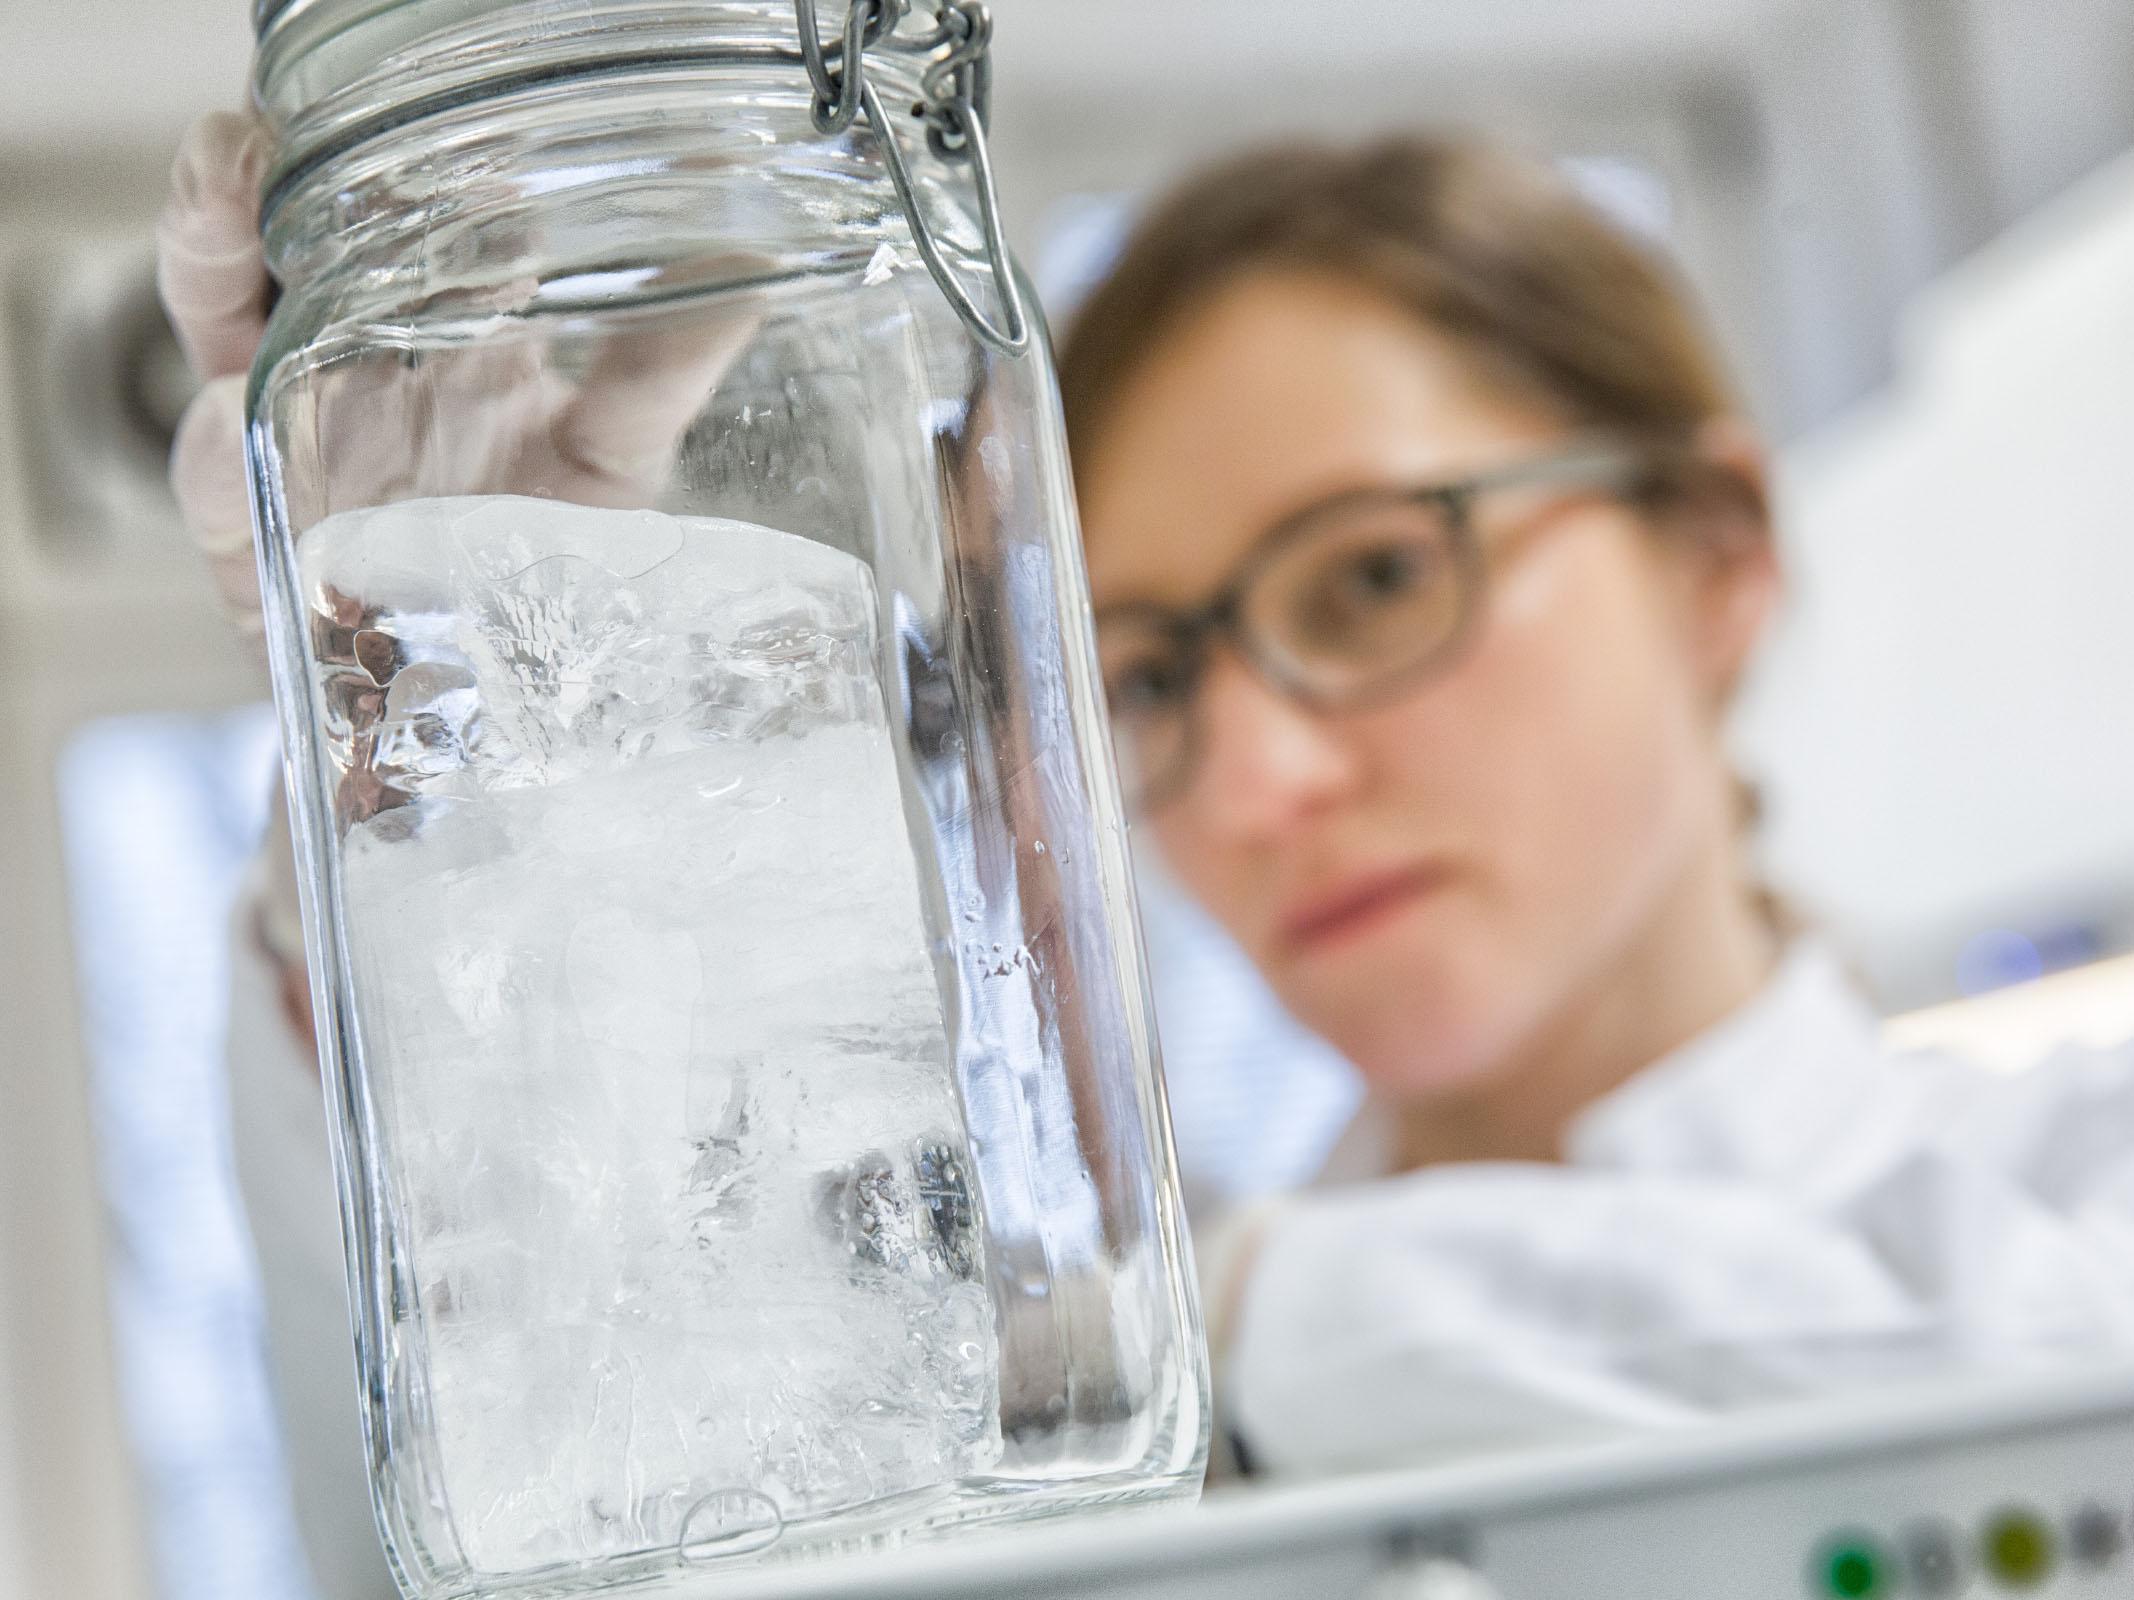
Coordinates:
1357 484
1138 606
1333 495
1368 483
1380 488
1266 534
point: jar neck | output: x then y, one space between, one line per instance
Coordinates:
472 141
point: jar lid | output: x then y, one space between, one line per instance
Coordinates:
331 75
310 53
268 14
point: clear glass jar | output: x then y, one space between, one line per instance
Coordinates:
730 998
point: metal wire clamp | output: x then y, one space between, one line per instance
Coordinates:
957 90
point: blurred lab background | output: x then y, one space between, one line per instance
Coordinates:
1913 221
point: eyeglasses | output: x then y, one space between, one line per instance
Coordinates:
1350 602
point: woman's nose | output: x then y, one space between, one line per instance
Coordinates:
1265 762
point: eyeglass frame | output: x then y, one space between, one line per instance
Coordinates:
1608 466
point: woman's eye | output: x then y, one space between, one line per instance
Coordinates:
1376 586
1385 573
1149 686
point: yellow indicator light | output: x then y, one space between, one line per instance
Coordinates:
2017 1549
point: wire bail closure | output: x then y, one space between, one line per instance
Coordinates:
958 92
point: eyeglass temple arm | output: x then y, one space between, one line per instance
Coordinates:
1599 464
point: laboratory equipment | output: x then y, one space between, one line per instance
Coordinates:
2022 1487
750 1135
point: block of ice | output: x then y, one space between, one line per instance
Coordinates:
644 993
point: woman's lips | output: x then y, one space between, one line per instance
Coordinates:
1356 906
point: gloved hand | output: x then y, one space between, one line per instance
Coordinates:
213 279
609 439
606 440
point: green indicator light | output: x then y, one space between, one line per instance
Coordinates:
1853 1574
2018 1549
1852 1567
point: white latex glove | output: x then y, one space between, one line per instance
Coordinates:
607 440
213 278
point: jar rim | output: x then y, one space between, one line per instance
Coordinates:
280 26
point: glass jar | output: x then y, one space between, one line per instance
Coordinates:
748 1124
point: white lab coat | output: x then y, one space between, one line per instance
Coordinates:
1780 1208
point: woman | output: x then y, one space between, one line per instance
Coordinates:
1429 546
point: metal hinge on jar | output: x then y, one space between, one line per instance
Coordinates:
956 88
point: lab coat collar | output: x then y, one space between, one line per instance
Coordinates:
1762 1094
1765 1093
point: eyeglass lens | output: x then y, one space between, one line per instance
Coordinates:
1367 591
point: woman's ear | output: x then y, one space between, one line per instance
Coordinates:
1738 581
1735 449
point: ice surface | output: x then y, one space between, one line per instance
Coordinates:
644 989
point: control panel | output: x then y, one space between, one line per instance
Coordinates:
2018 1489
2016 1549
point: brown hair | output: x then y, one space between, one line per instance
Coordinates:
1491 250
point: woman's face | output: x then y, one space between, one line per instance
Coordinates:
1425 882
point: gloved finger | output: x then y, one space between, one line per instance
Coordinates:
452 424
207 474
209 264
489 407
642 390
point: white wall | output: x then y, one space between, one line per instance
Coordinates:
127 74
1948 724
2054 79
